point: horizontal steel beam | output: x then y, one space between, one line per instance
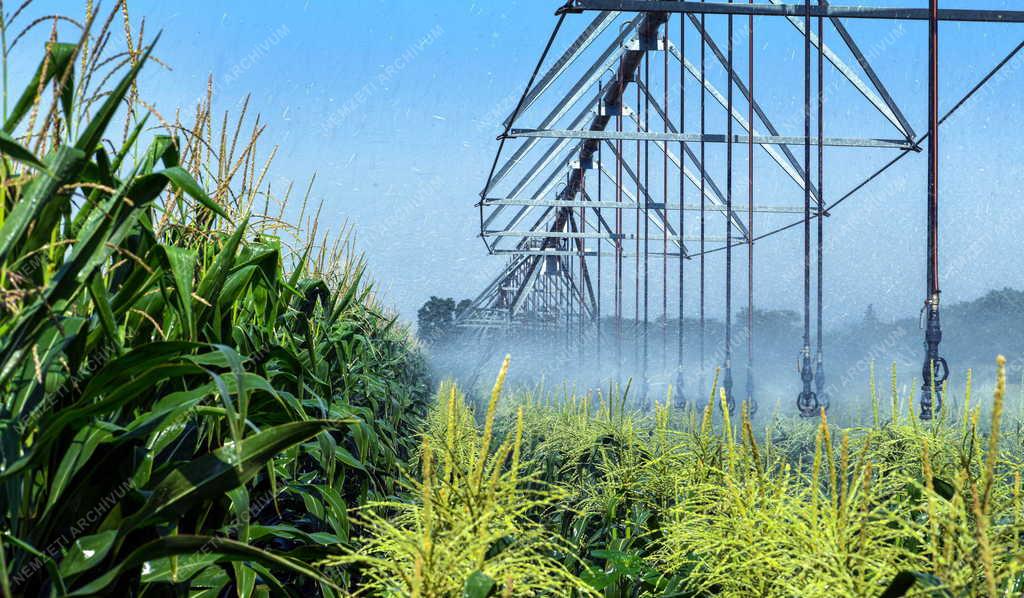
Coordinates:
900 144
497 201
546 234
588 253
799 10
561 235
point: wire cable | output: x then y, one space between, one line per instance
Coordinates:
885 167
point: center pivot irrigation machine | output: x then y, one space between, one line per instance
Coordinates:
598 193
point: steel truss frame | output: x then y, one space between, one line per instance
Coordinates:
548 280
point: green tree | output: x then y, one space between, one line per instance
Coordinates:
437 318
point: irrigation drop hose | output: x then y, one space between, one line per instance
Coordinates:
727 381
819 373
807 400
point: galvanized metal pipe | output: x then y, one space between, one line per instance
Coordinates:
751 403
797 10
727 381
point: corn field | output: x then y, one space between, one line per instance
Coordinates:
200 398
192 400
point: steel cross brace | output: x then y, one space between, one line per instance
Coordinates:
582 42
587 81
648 26
885 105
794 169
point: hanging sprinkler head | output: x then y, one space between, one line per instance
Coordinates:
751 401
807 401
935 370
730 399
679 397
819 381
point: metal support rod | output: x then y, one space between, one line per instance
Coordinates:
680 397
587 37
819 373
582 243
574 252
751 402
515 113
786 160
807 401
703 177
640 207
618 240
727 381
600 196
656 206
935 369
647 224
716 197
664 215
904 124
568 308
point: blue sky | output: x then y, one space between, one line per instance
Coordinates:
405 164
401 146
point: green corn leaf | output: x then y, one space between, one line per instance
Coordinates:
108 174
39 556
478 585
87 552
904 581
943 488
129 143
181 263
216 473
290 532
226 551
194 567
181 179
245 577
57 62
63 166
101 301
212 281
300 268
163 148
83 446
15 151
128 378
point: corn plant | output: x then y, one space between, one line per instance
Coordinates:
675 503
468 527
180 413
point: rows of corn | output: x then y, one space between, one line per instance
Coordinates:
565 494
193 393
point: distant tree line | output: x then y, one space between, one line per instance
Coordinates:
436 319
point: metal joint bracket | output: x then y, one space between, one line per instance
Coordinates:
605 109
647 43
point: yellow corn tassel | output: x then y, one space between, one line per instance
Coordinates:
492 406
